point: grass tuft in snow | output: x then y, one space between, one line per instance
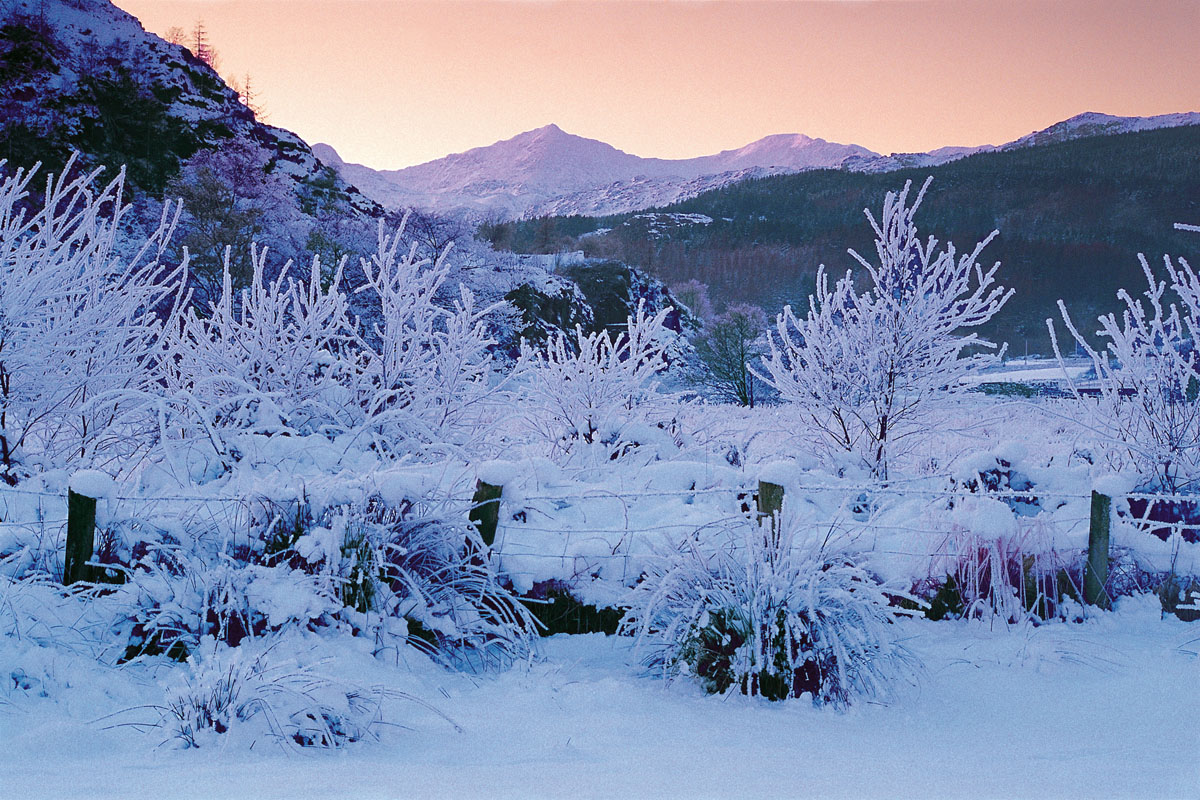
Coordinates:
777 614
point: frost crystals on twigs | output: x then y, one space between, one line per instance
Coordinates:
864 366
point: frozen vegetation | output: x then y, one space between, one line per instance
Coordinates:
299 497
286 562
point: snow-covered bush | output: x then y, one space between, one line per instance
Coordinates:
286 356
591 389
396 562
256 694
992 565
423 369
1001 472
1147 372
772 615
265 358
82 311
176 599
863 367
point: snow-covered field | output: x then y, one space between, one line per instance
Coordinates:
1102 707
319 551
1106 708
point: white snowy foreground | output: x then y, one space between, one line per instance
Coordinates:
1103 708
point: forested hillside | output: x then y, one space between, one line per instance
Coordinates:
1072 217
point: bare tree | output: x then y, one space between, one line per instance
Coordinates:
248 95
863 367
1148 378
431 233
230 201
200 46
695 297
729 346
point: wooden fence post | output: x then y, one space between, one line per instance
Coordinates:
485 510
81 537
770 504
1095 575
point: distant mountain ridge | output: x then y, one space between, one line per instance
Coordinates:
534 172
548 171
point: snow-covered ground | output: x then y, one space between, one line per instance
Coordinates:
1033 370
1105 708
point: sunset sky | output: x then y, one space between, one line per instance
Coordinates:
391 83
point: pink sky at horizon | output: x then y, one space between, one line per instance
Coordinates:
390 83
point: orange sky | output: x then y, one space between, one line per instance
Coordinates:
392 82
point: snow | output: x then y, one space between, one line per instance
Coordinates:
301 493
92 483
548 171
1099 709
498 473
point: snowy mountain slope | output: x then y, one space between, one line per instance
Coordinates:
550 172
1090 123
87 51
1093 123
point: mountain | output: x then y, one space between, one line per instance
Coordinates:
84 76
84 79
1073 211
549 172
1096 124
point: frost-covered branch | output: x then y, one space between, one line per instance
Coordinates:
82 313
863 366
1147 377
591 387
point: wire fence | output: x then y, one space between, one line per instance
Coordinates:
579 530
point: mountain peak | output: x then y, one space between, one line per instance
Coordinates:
327 155
546 169
1094 123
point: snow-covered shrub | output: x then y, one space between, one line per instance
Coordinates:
1181 597
990 565
286 356
1148 377
423 369
593 388
82 311
265 358
997 472
395 562
863 367
258 695
770 615
176 599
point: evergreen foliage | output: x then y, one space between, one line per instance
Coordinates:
1072 214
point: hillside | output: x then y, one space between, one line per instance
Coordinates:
550 171
85 76
1072 217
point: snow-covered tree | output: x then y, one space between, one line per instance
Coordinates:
591 387
1148 376
286 355
264 358
81 317
425 367
863 367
